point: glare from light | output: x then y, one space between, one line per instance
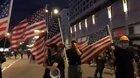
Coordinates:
7 34
46 11
31 45
37 31
36 37
55 11
1 49
21 43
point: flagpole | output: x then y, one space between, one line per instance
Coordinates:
109 31
62 37
10 11
66 60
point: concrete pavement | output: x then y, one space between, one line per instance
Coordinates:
22 68
88 72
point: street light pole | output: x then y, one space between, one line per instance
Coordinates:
59 24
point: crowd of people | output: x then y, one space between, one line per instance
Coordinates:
119 58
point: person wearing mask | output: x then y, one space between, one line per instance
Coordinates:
73 55
54 61
124 57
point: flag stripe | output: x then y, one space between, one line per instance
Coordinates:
94 47
95 52
17 34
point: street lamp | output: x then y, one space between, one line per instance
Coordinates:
46 10
55 11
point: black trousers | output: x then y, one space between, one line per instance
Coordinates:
100 71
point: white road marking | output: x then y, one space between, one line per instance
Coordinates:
10 65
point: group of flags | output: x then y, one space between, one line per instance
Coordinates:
31 31
35 25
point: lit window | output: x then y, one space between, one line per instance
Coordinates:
71 30
86 23
75 28
125 8
109 12
80 25
93 19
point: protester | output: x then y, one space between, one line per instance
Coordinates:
2 60
28 54
32 58
15 54
124 56
73 54
54 61
100 61
21 55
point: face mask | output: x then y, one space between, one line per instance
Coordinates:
125 45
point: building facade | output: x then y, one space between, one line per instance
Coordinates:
89 16
65 25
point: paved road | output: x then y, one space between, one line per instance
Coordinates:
23 69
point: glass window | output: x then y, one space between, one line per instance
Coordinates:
86 23
71 30
93 19
75 28
80 26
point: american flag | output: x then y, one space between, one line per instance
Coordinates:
54 35
17 34
39 50
37 22
97 44
4 16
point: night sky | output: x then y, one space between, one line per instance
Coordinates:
23 8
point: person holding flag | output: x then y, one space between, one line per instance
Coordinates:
54 62
74 54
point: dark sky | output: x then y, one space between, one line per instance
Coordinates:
24 8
